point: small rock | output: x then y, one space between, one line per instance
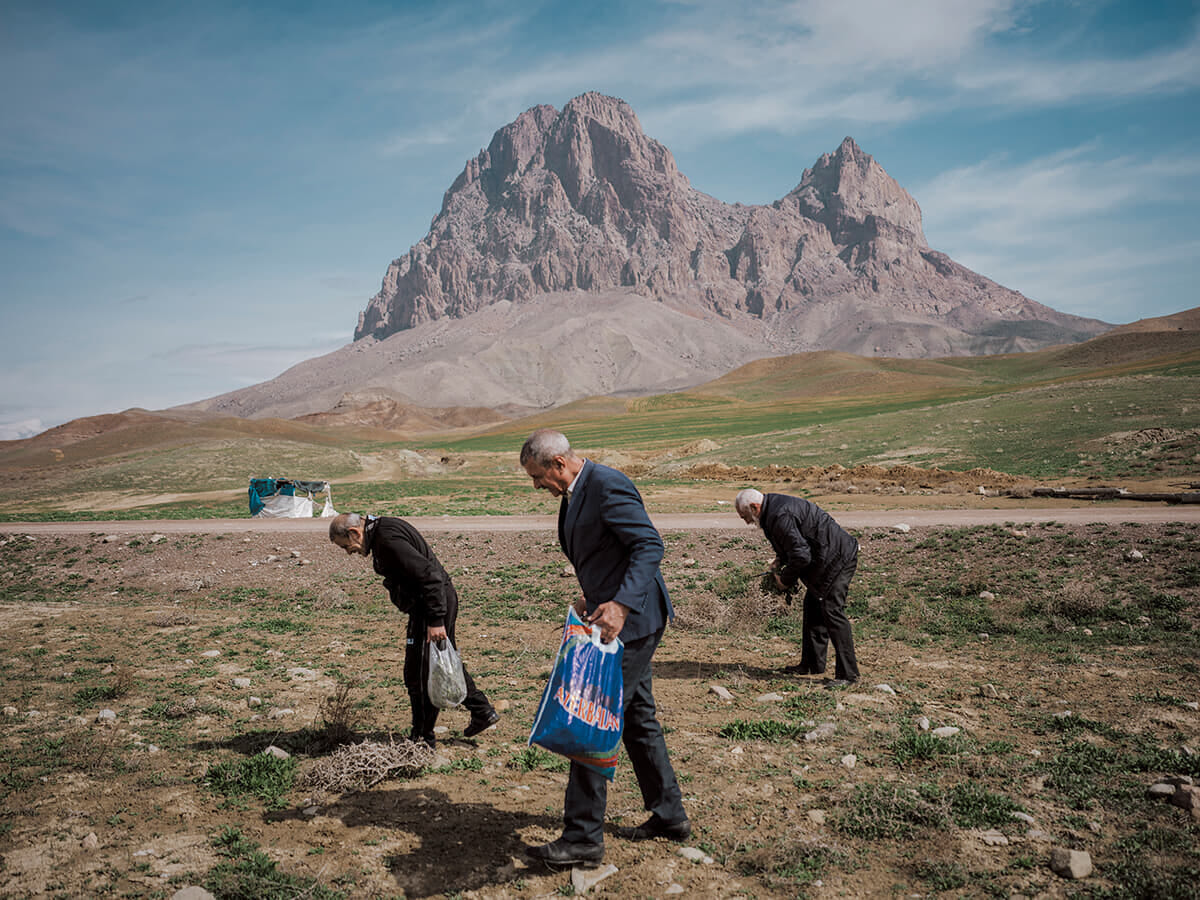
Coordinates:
946 731
1160 790
989 691
822 731
993 838
106 715
1024 817
192 892
211 654
11 711
583 880
768 698
157 538
849 760
984 636
817 816
1134 555
1186 796
91 842
1065 714
111 538
885 689
720 692
1192 705
296 554
673 888
241 682
301 672
277 752
310 811
986 596
253 702
695 855
1070 863
923 723
902 527
567 572
280 713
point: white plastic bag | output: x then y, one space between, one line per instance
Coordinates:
447 684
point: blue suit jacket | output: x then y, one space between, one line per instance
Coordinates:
609 539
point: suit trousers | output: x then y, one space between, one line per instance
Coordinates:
416 675
587 790
825 622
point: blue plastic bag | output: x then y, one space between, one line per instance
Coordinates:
580 714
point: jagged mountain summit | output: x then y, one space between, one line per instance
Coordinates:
571 258
583 200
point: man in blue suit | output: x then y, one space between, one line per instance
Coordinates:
605 532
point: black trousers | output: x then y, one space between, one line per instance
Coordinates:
416 674
825 622
587 790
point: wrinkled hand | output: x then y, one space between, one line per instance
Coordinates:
779 581
434 633
581 608
610 617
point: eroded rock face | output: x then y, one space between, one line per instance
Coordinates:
583 200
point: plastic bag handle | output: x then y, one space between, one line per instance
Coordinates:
611 647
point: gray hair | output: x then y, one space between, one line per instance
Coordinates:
340 525
543 445
744 498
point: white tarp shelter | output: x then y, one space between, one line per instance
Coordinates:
289 498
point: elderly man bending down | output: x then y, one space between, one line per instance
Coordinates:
812 549
418 585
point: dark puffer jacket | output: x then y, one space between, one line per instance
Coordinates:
809 545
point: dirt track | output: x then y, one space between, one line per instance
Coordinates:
1096 512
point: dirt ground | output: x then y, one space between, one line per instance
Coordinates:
123 807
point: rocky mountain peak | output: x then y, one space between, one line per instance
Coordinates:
582 200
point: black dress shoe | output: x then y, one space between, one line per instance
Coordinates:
565 853
483 723
654 827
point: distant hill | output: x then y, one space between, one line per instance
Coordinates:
572 258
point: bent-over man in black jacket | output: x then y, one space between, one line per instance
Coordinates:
419 586
814 550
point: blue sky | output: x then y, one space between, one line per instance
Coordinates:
194 197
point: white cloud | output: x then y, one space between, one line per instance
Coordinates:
16 431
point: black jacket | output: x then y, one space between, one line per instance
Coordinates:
808 543
415 580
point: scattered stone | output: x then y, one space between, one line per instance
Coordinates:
301 672
296 554
1036 834
111 538
1024 817
252 702
984 636
720 692
280 713
946 731
192 892
989 691
674 888
311 811
241 682
1187 797
91 842
987 596
695 855
1134 555
902 527
277 752
769 698
583 880
1065 714
1070 863
817 816
849 760
157 538
885 689
11 711
1192 705
106 715
821 732
923 723
210 654
993 838
567 572
1160 790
